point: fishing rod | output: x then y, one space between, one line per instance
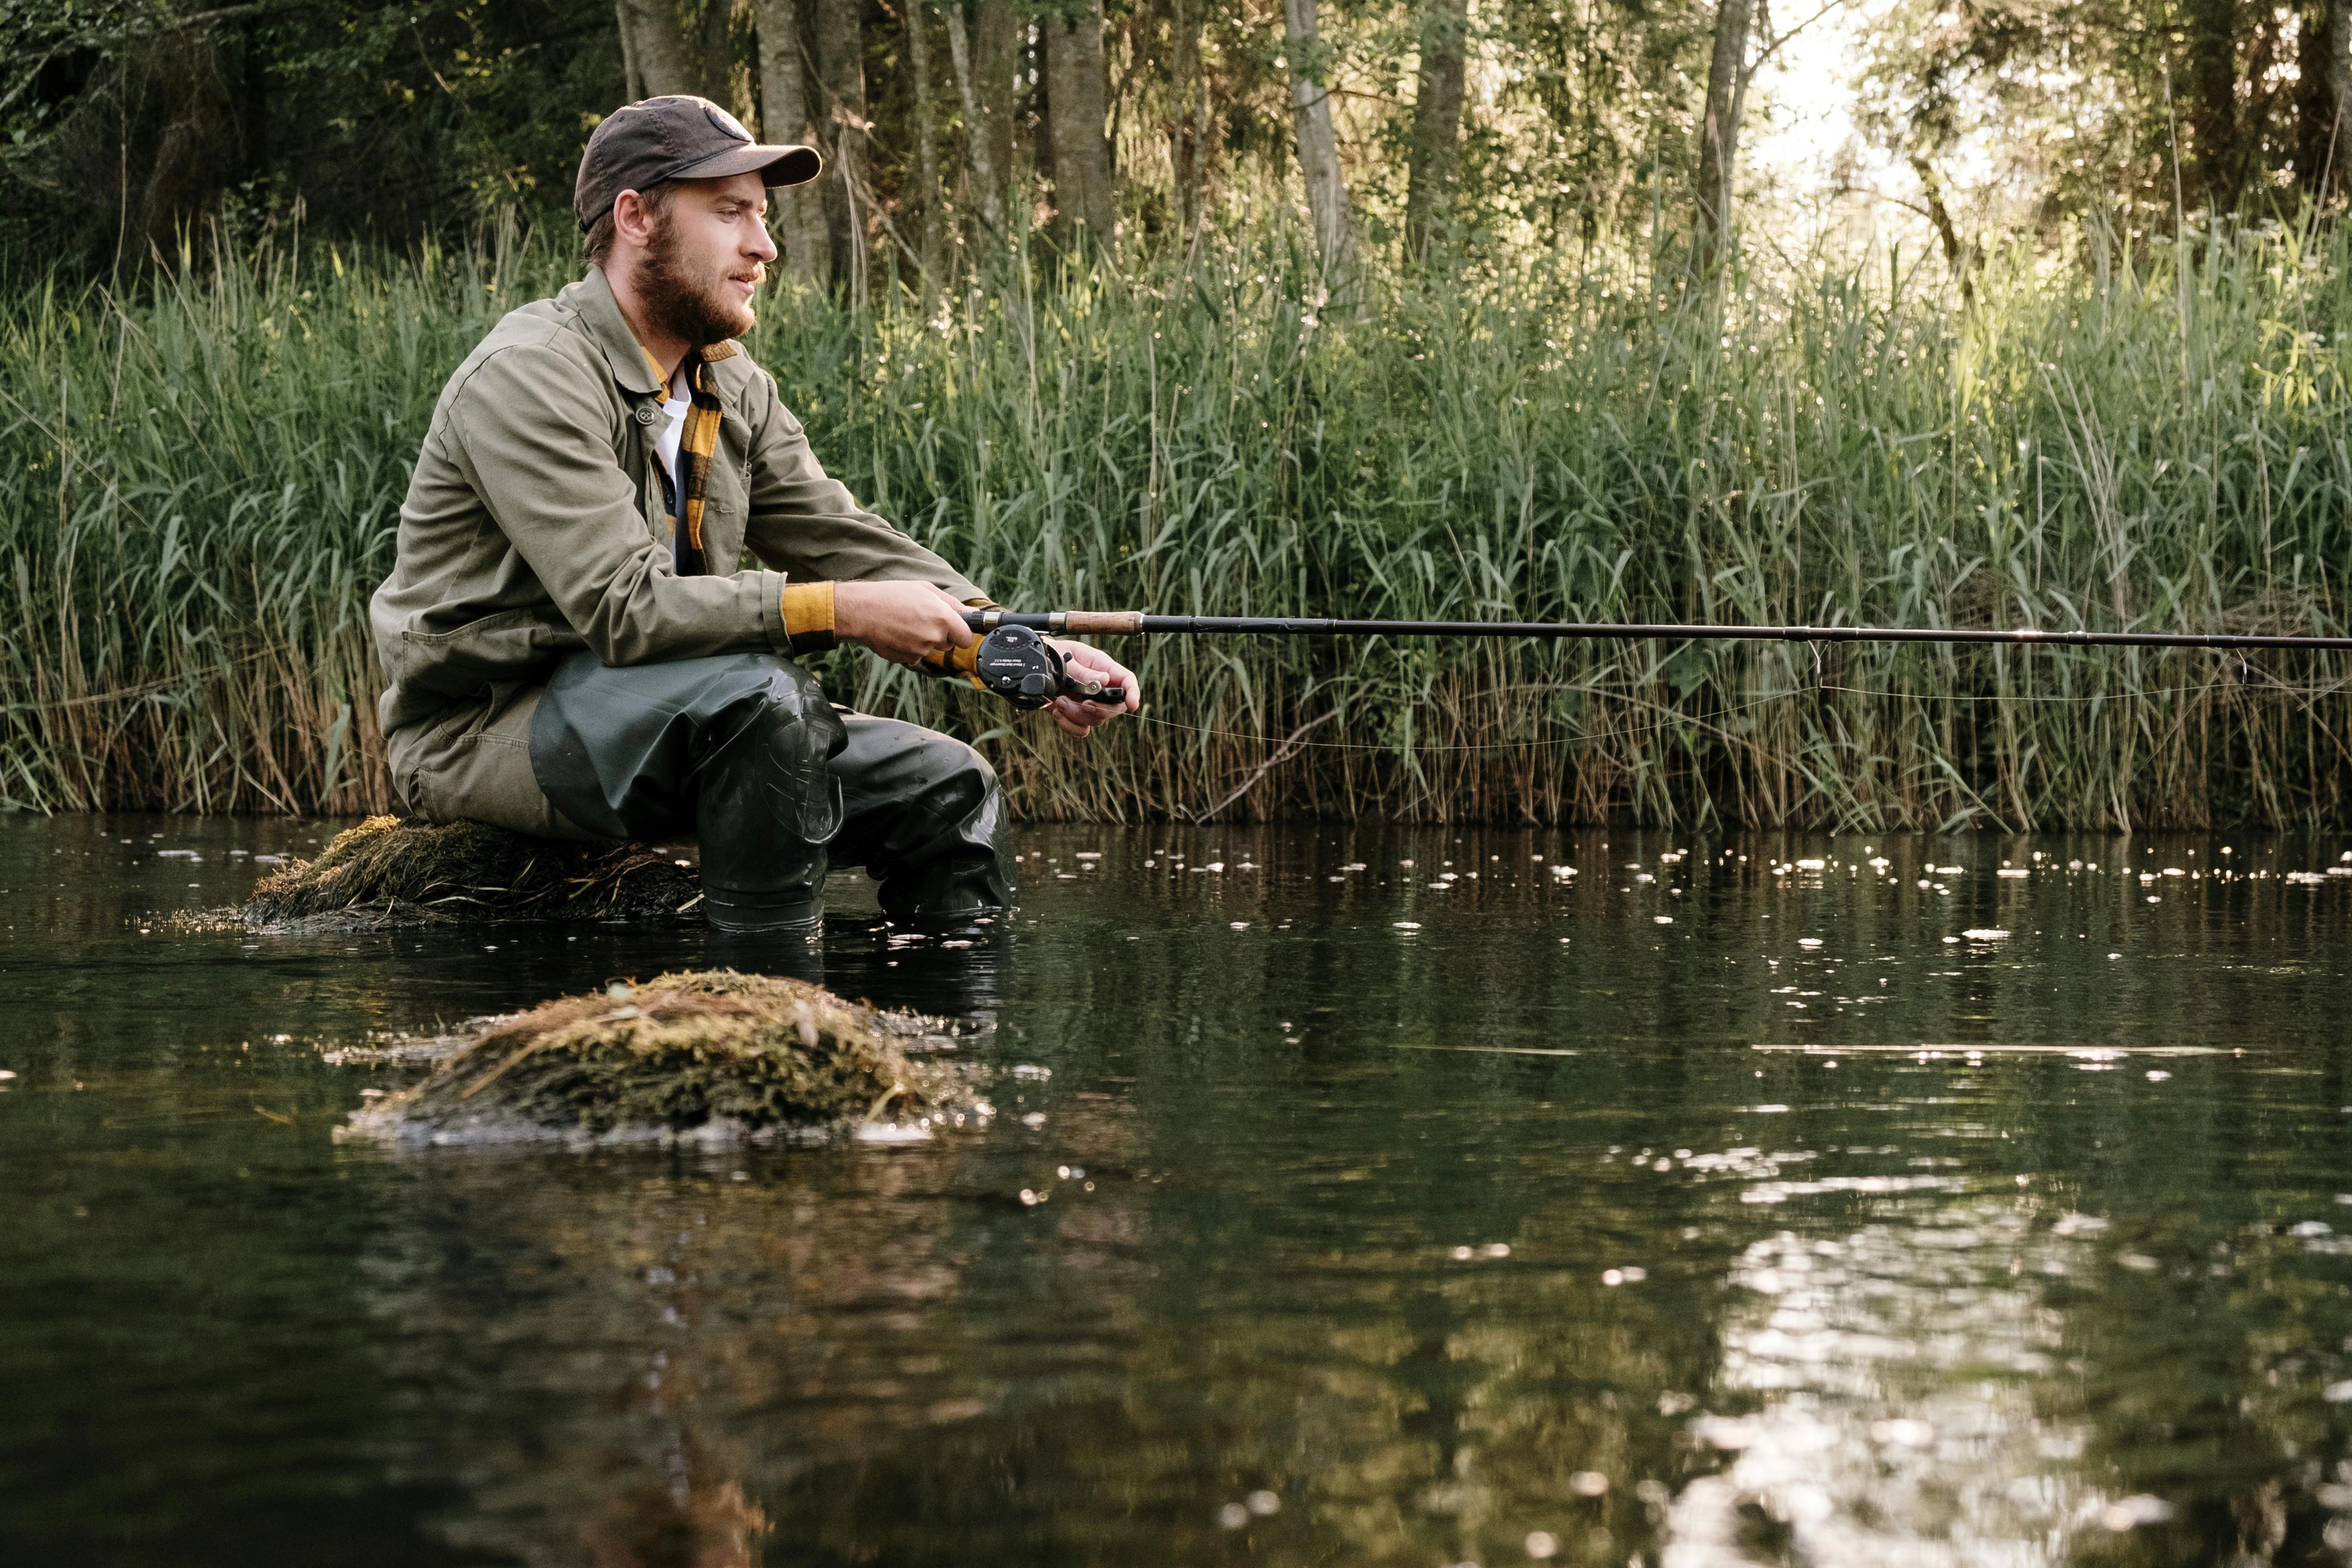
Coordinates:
1015 662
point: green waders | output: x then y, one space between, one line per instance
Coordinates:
743 751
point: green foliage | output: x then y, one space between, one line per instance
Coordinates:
131 127
2136 109
197 492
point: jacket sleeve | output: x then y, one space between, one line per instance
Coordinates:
805 522
535 439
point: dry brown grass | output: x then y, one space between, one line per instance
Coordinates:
390 871
681 1053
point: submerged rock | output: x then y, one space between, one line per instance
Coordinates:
389 871
711 1055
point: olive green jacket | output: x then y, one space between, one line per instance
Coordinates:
535 524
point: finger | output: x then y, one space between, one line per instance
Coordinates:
1079 710
1108 668
1110 672
960 634
1106 672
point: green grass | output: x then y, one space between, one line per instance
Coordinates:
199 487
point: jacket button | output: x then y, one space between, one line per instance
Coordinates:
644 414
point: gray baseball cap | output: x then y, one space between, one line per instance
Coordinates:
679 137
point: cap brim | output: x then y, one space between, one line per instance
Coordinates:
774 165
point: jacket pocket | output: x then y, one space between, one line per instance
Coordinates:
511 646
726 509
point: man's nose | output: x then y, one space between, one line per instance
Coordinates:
763 244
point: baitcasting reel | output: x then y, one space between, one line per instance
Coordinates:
1016 664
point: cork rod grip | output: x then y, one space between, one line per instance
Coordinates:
1112 623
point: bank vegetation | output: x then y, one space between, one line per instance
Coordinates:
200 478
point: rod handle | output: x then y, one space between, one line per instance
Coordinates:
1112 623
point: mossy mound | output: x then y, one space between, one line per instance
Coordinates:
389 871
711 1053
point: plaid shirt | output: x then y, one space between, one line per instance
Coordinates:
698 443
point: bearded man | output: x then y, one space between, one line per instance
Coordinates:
573 645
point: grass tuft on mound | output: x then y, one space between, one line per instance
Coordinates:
683 1053
391 870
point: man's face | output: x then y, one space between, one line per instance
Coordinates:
707 258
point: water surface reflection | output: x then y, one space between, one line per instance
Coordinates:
1680 1208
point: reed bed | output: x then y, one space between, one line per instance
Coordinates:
199 487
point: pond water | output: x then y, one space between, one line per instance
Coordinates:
1706 1206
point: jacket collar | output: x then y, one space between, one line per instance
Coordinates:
632 367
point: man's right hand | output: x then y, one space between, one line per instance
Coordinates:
900 621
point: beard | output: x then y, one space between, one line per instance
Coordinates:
683 299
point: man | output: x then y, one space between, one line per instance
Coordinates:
573 646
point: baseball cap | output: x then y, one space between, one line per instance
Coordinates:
678 137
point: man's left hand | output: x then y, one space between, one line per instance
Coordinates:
1077 715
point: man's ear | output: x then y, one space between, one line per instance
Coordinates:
633 220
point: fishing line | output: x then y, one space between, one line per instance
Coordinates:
2012 697
1710 721
1704 720
2252 679
997 623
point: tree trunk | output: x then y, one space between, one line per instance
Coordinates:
2315 98
675 45
1436 124
927 165
841 102
1318 144
1186 131
1076 89
653 48
2213 130
1718 135
1030 70
784 116
714 61
1000 39
1959 255
980 139
633 73
2339 89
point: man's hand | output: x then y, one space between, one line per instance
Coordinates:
1075 715
900 621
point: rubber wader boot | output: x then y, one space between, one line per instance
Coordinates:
767 808
923 813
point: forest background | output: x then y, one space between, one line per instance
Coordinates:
1426 310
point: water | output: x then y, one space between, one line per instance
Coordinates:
1545 1228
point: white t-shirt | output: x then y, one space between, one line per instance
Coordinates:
674 412
666 446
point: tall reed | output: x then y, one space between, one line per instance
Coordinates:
198 489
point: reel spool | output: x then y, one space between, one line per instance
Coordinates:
1016 664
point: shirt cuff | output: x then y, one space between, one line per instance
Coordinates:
807 610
